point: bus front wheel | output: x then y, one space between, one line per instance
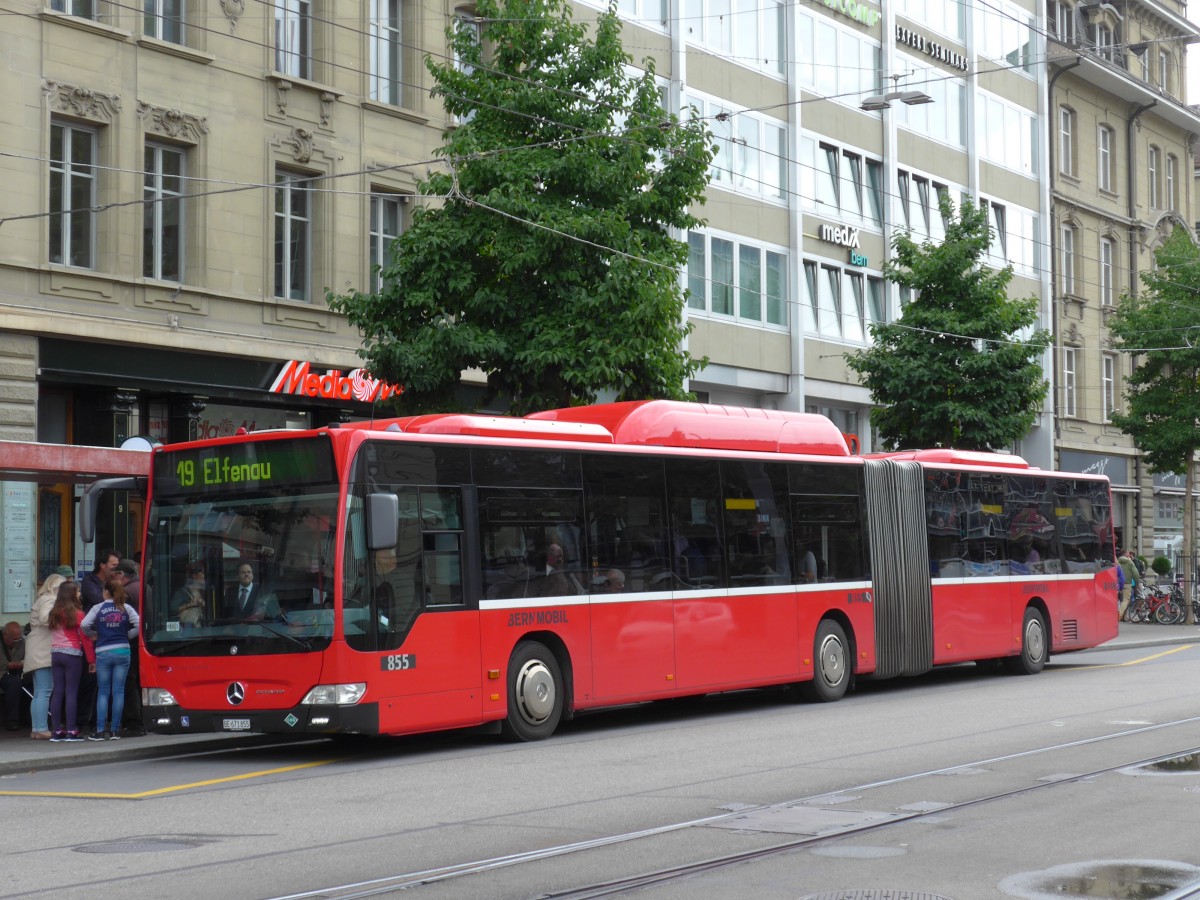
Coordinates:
535 700
1035 645
831 664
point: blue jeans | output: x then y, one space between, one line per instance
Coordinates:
39 710
111 668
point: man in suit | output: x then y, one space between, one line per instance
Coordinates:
247 601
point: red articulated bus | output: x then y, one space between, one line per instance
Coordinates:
442 571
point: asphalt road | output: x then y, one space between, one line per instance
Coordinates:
962 784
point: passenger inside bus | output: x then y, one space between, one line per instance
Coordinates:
187 603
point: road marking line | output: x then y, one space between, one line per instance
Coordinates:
142 795
1132 662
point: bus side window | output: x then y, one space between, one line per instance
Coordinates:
755 507
441 547
627 528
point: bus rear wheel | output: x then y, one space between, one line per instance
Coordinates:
1035 646
831 664
535 700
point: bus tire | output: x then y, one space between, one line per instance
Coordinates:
1035 645
831 664
535 698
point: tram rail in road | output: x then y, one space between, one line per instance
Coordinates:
845 825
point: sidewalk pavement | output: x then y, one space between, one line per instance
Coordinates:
18 753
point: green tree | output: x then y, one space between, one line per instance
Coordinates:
954 370
1161 326
549 262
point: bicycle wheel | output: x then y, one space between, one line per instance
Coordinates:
1137 611
1168 613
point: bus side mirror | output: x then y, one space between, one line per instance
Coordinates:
383 521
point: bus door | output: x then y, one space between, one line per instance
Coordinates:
406 612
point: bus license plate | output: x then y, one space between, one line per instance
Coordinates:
236 724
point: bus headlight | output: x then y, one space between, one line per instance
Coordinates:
157 697
335 694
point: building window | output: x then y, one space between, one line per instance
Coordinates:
1102 37
1110 386
1108 254
1164 70
1153 166
1008 35
162 217
164 20
72 195
386 224
1105 139
998 245
719 268
752 155
84 9
747 31
293 38
1068 382
1060 17
1007 134
945 119
841 303
647 12
1066 140
465 21
386 83
293 235
921 205
1067 250
1170 196
946 17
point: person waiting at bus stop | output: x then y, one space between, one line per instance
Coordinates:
1129 570
12 679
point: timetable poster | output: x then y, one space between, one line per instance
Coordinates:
17 514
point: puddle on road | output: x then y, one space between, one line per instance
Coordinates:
1109 879
1188 763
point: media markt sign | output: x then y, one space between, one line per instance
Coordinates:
853 9
298 378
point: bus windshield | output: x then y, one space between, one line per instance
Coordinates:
241 542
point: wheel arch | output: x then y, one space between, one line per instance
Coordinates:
562 656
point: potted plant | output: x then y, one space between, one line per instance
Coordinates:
1161 566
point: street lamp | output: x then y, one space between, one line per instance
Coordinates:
884 101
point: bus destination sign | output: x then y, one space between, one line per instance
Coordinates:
245 466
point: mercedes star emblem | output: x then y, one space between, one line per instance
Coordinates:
235 693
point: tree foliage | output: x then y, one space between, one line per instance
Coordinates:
549 265
955 369
1161 326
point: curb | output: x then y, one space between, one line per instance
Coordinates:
130 749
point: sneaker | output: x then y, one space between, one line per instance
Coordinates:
98 736
114 736
40 735
73 737
58 737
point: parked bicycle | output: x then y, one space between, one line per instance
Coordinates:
1154 605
